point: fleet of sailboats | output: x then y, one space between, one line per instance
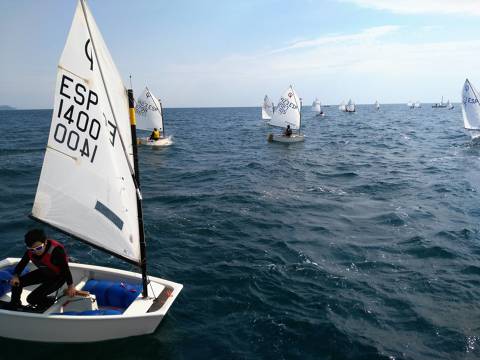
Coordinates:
89 188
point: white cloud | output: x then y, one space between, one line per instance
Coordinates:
462 7
369 34
365 65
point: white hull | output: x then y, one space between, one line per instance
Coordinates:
160 142
321 115
139 318
286 139
474 134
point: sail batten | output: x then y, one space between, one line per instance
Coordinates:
87 185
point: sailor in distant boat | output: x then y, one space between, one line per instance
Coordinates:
288 131
52 271
155 134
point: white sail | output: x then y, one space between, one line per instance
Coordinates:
317 106
342 106
377 105
350 107
417 104
267 108
86 186
287 111
470 107
149 112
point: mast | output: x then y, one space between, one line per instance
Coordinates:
143 252
300 111
134 172
161 114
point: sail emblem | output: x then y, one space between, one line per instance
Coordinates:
88 53
467 88
290 94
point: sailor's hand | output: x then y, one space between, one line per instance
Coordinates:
71 291
15 281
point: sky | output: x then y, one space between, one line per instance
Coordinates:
225 53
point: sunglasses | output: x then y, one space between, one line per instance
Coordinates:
37 248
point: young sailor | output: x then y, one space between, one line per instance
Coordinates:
155 134
288 131
52 271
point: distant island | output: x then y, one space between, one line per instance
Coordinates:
6 107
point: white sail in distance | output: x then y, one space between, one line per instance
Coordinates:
317 106
149 112
267 108
470 106
377 105
287 112
350 106
342 106
86 187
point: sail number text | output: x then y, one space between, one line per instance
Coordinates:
77 128
284 105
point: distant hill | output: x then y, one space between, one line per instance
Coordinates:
6 107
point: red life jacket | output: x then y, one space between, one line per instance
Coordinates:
46 260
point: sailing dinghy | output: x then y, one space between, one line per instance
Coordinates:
287 112
317 108
342 106
450 106
150 116
377 105
350 107
471 110
89 188
267 108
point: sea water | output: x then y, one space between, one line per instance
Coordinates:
360 243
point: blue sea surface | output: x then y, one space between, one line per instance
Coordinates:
360 243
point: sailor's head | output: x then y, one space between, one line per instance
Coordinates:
154 129
35 240
288 126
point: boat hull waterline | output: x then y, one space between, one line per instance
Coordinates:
167 141
140 318
294 138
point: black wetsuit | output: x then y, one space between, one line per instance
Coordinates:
49 280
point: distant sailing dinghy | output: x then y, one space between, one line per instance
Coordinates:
411 105
342 106
440 105
471 110
350 107
317 108
149 116
287 112
417 105
450 105
267 108
89 188
377 105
